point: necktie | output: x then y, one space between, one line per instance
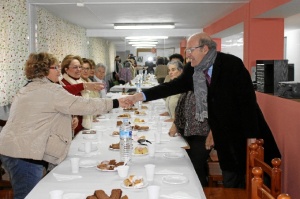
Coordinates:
208 78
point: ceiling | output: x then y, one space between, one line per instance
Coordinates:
189 16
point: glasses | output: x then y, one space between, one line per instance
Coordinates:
85 69
55 67
190 50
76 67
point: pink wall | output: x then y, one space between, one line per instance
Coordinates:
283 117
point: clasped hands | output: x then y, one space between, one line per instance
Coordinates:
129 101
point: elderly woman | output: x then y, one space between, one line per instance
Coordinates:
71 70
38 130
87 120
175 69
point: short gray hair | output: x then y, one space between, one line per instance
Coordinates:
211 44
177 63
100 65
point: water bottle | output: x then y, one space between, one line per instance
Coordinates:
125 141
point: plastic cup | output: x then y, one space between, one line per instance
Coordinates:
150 168
153 191
56 194
157 137
151 150
87 147
75 165
123 171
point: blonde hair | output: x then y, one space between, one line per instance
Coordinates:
38 65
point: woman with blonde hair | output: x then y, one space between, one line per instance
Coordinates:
38 130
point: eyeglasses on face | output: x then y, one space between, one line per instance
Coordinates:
55 67
85 69
190 50
76 67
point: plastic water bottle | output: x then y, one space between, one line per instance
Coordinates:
125 141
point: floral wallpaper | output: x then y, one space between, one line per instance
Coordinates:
53 35
13 48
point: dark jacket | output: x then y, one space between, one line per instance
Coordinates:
233 112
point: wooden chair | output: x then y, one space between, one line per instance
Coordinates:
259 190
6 191
256 159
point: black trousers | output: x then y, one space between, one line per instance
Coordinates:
198 155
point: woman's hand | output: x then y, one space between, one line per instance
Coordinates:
173 131
209 143
93 86
74 122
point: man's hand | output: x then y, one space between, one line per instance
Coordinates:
93 86
209 143
74 122
134 98
125 103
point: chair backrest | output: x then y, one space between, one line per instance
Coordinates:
255 158
258 190
6 194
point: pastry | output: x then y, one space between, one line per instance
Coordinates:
140 150
115 146
124 197
119 123
91 197
116 133
100 194
116 194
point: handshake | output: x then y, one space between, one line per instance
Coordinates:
129 101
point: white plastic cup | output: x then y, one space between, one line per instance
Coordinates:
153 191
75 165
157 137
56 194
123 171
87 147
150 168
151 149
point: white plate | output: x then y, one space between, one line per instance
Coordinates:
74 196
106 170
175 179
139 154
144 185
88 163
94 147
173 155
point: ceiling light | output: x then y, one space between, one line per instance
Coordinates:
147 37
143 45
143 25
80 4
142 42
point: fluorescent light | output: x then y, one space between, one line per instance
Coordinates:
147 37
144 25
142 42
143 45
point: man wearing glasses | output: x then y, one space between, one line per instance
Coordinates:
224 94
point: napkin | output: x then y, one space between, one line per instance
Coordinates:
167 172
62 177
178 195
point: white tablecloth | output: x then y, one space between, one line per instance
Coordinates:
93 179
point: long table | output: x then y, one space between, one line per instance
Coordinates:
93 179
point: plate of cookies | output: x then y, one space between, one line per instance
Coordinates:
124 115
139 112
109 165
134 182
140 128
140 151
114 147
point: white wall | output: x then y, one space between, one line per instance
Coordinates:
234 45
293 50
